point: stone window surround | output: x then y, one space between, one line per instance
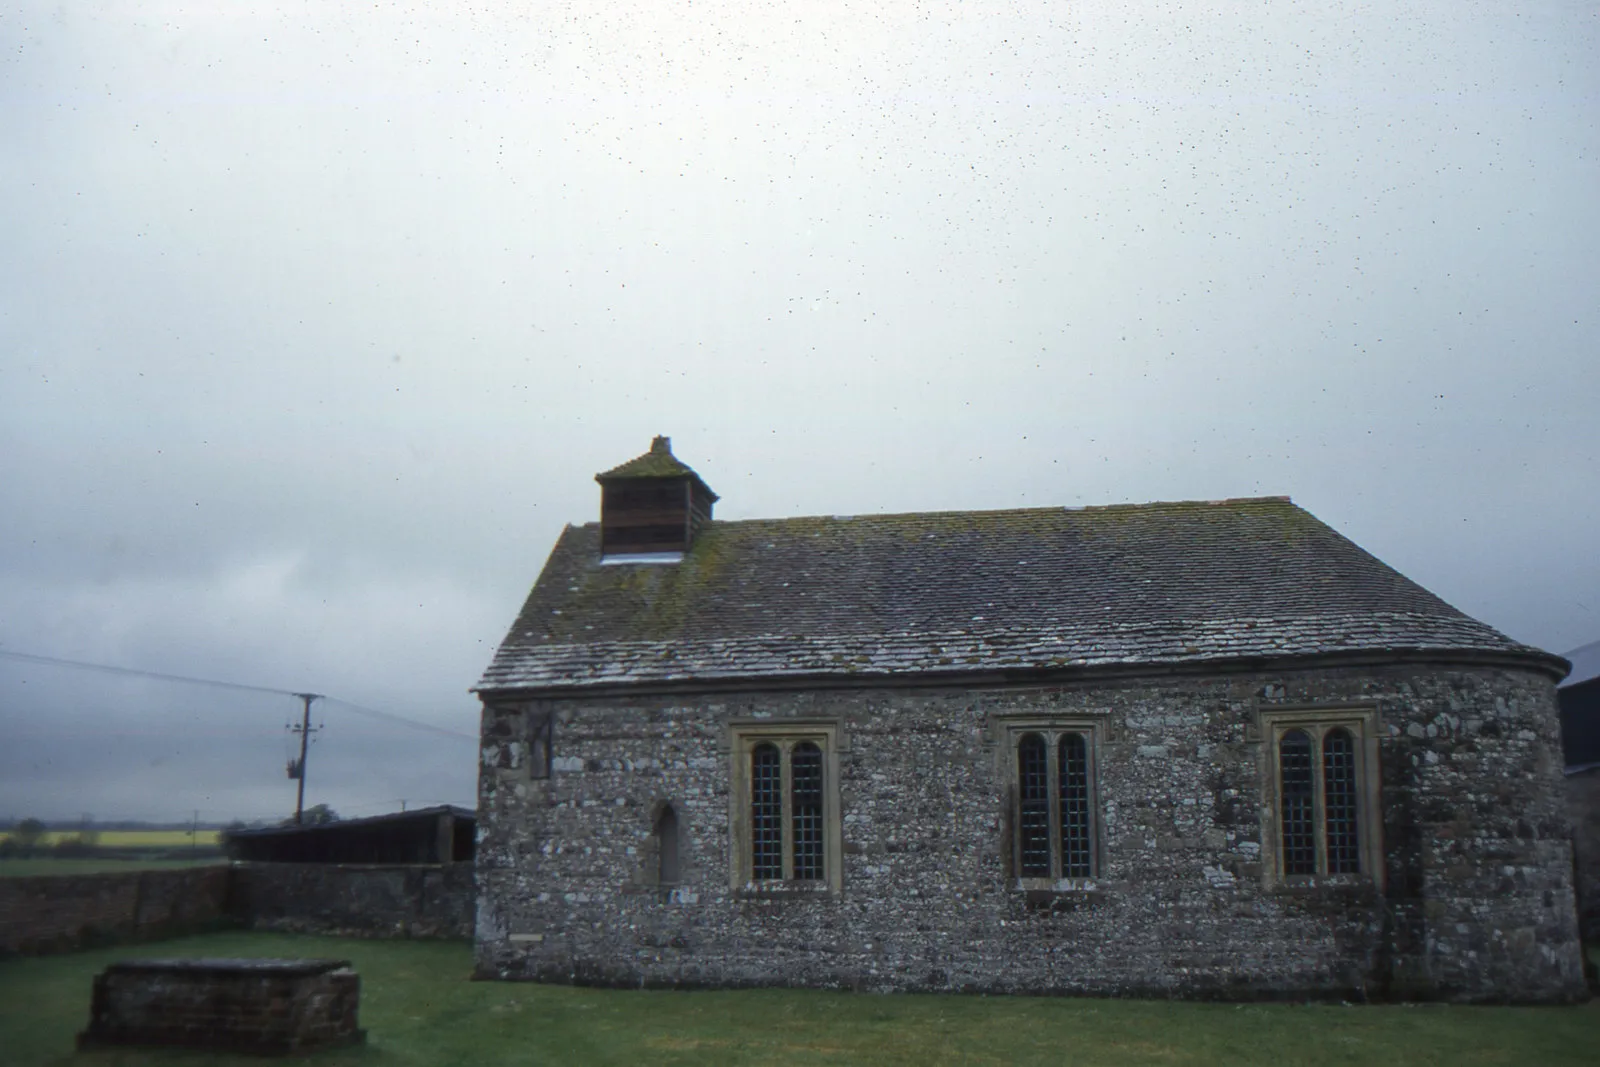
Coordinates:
742 738
1317 719
1008 730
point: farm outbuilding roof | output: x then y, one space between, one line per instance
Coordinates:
1585 664
442 834
941 593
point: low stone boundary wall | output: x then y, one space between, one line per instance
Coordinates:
260 1006
360 900
59 913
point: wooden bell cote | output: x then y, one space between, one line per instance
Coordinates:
651 507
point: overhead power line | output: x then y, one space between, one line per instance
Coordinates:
390 717
106 668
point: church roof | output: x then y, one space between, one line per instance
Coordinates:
946 593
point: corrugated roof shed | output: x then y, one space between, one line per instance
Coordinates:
442 834
958 592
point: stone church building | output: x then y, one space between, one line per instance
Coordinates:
1207 749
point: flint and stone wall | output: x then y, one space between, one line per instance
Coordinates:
64 912
60 913
399 900
1476 900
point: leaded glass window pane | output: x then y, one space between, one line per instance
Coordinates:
1339 801
1033 795
805 809
766 812
1295 803
1073 772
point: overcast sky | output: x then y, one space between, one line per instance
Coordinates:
316 320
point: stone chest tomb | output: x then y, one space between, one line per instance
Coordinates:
1185 749
263 1006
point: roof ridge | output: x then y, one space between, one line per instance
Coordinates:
1048 509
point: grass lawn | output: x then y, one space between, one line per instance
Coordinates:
27 868
419 1008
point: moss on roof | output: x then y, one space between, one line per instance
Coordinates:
659 462
1257 575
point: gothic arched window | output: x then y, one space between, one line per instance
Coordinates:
1296 801
1073 775
1033 808
805 809
766 812
1054 818
1339 801
1322 794
785 830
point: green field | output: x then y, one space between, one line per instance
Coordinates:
420 1009
134 838
114 850
28 868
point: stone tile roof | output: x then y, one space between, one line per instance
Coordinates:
659 462
939 593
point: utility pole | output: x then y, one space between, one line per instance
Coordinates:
297 768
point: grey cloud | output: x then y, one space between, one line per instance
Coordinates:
314 322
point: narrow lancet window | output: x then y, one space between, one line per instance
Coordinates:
1295 790
1339 801
1073 772
805 809
766 812
539 729
1033 804
667 846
